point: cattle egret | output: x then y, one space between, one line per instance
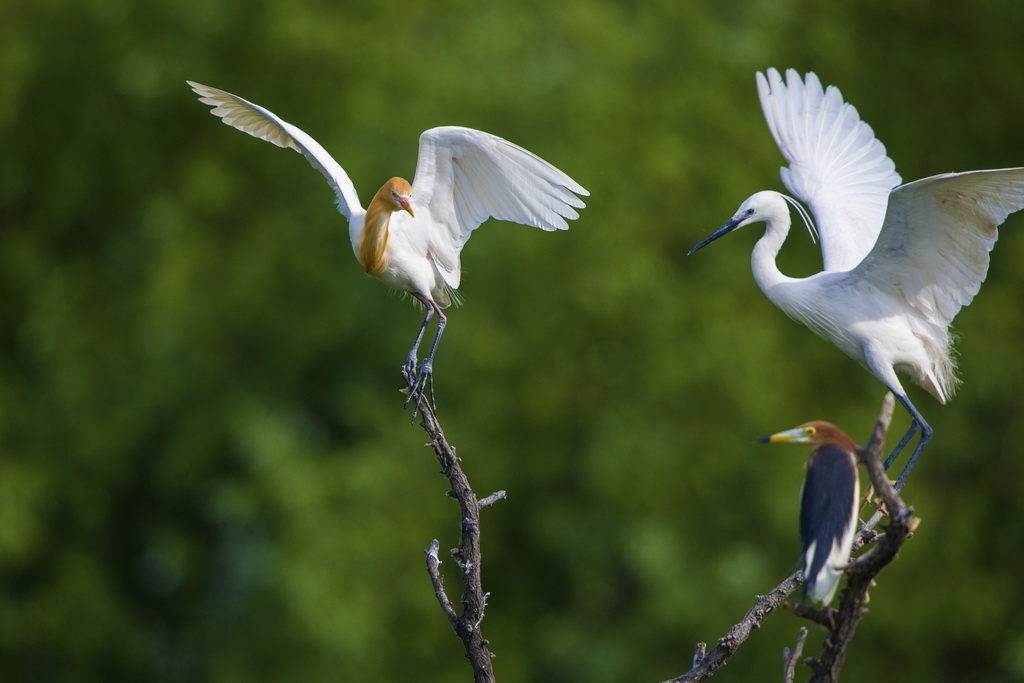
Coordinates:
899 260
410 236
828 504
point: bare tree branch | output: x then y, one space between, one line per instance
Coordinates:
861 573
698 653
467 555
791 658
438 581
705 666
492 499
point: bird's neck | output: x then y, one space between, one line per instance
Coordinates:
762 259
374 238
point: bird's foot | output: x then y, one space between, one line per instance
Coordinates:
409 372
422 379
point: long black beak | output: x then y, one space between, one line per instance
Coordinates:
731 225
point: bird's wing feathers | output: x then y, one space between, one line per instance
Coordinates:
827 520
464 176
836 164
256 121
938 232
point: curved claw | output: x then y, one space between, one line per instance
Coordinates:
409 370
422 379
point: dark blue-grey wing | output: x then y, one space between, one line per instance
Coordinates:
828 502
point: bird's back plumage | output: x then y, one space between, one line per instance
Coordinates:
825 516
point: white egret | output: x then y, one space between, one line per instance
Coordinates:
828 504
899 260
410 236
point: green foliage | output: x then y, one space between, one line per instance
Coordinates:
205 469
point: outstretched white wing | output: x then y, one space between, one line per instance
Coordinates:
256 121
938 232
465 176
836 164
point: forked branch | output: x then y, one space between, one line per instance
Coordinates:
467 555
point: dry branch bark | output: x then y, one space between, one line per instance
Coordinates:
467 555
706 665
791 657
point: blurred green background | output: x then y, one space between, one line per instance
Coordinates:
205 470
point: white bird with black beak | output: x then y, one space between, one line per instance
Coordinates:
900 261
410 236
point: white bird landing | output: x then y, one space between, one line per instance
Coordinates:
410 237
900 261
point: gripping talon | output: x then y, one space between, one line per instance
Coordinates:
409 370
423 376
422 379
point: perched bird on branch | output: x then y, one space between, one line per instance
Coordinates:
410 235
900 261
828 504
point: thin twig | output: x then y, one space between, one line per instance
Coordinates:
492 499
467 555
791 657
729 643
433 562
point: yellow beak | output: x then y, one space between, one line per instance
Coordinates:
788 436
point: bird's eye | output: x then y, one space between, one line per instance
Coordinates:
750 211
810 431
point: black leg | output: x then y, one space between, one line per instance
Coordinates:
926 435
